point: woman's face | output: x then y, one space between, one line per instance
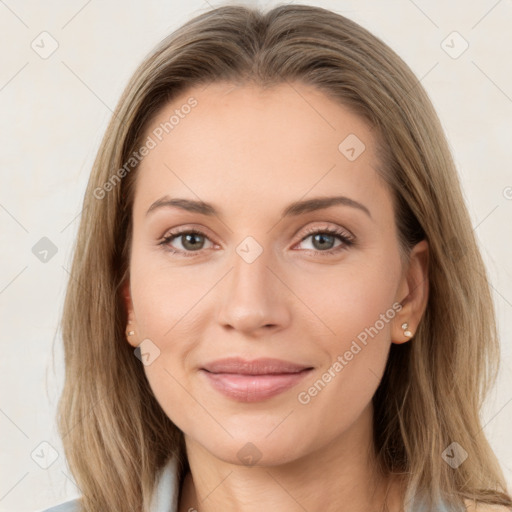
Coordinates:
272 273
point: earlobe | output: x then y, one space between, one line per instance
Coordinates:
130 334
405 334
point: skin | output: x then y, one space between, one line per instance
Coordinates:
250 153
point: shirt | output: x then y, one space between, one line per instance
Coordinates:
165 498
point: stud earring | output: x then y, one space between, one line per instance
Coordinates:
407 332
130 333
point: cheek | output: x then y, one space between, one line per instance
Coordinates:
350 302
169 312
358 308
163 295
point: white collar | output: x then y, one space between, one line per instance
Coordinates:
165 498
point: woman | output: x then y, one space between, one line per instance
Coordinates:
276 295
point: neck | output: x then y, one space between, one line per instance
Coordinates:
341 476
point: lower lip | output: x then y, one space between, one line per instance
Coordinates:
254 388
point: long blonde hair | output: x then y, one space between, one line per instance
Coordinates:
115 434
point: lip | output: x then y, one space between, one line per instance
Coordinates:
262 366
256 380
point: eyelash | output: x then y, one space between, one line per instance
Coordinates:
347 241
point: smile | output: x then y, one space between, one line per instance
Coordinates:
253 381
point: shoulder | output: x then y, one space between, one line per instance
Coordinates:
485 507
67 506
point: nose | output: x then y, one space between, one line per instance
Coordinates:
253 299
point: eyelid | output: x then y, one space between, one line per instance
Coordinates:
328 228
187 228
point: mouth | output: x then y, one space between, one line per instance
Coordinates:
253 381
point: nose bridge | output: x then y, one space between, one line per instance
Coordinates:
252 296
250 274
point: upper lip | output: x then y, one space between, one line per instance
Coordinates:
263 366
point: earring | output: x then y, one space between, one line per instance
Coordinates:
130 333
405 327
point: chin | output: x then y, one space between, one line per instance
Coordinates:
250 448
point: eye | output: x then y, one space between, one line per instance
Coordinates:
323 240
191 241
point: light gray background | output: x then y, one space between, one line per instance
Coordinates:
54 113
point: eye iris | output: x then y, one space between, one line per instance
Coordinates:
321 238
189 238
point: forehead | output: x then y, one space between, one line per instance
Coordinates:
247 145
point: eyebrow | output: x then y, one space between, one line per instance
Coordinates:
293 209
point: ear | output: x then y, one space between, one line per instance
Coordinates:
131 326
127 298
412 294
